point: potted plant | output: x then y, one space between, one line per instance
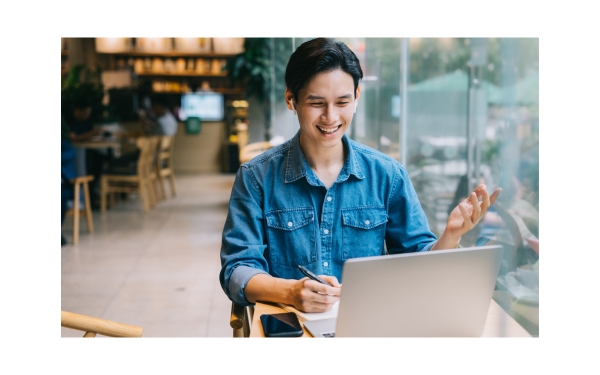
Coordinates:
252 68
84 85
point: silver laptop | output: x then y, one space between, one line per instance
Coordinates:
443 293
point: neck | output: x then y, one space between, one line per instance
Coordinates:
323 159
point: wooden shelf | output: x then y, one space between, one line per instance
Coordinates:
170 54
180 74
219 90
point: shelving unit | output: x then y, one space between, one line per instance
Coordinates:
169 54
232 91
152 77
179 74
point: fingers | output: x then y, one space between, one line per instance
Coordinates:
331 280
310 294
476 208
315 307
486 200
495 195
479 190
322 288
466 217
317 297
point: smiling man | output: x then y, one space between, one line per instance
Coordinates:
321 198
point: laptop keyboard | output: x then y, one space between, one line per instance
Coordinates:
329 334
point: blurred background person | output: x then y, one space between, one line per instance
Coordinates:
81 129
67 173
160 121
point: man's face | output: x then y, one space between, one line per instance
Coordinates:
325 108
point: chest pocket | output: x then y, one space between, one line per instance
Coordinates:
363 232
291 236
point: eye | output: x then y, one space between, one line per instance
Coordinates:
343 103
316 103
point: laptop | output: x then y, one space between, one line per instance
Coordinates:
443 293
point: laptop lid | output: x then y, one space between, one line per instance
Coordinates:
444 293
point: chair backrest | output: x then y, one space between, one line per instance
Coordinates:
143 144
165 152
91 326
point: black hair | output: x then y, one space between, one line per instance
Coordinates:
318 56
160 100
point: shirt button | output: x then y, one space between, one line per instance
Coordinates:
290 224
366 222
328 199
325 264
326 231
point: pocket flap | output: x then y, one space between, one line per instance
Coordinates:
365 218
289 219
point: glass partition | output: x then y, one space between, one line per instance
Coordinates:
456 112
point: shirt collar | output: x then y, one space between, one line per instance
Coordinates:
297 167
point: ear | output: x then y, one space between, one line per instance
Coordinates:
288 98
357 97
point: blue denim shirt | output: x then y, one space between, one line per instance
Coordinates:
281 215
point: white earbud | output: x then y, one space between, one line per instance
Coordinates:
293 108
355 105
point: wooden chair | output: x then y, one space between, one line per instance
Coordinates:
126 180
252 150
152 172
241 319
164 164
92 326
75 211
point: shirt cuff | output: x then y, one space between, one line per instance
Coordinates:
237 283
428 246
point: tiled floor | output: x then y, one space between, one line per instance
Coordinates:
156 270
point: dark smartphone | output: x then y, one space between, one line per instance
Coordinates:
281 325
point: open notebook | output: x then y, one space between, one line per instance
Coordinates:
331 314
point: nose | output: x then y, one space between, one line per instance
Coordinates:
330 114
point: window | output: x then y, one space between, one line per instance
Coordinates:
456 112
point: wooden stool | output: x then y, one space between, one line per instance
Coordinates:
75 211
92 326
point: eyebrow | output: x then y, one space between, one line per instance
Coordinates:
315 97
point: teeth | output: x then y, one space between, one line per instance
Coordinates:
328 131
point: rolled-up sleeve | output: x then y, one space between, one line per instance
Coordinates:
243 243
407 228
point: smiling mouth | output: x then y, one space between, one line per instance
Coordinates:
328 131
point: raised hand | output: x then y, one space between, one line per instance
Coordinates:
468 213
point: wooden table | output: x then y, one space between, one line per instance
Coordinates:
80 146
498 323
115 145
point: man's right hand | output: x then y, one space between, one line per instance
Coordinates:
313 297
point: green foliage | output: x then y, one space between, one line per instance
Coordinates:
84 87
252 68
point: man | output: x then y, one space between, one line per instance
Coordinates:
164 123
67 170
81 129
322 198
80 124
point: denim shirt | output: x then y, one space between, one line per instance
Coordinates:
281 216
